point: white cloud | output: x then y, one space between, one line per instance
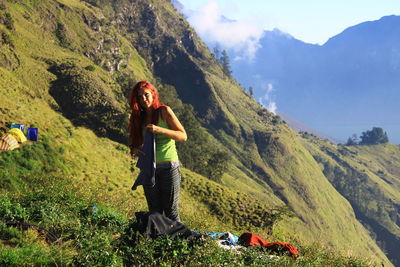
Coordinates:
272 107
240 36
267 98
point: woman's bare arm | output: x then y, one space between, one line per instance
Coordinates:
176 131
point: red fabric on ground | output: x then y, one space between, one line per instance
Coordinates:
250 239
276 246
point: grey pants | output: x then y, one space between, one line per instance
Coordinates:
164 195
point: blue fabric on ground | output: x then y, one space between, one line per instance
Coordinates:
230 238
147 162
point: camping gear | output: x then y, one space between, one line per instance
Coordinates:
8 142
32 133
18 126
18 134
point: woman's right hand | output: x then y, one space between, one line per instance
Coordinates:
135 152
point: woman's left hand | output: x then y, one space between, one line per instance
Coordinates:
154 128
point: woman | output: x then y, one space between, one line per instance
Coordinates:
148 114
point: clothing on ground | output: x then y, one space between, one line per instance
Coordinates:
229 238
250 239
154 224
223 244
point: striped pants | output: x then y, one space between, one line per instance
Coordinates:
163 197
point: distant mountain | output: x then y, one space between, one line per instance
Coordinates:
300 127
348 85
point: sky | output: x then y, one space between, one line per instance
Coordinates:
312 21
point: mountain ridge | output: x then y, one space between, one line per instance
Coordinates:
342 78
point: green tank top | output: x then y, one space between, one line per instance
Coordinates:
165 147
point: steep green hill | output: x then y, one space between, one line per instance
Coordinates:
368 177
66 67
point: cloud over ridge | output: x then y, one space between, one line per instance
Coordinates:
240 36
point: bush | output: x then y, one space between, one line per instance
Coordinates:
6 39
374 136
12 211
62 35
7 20
90 68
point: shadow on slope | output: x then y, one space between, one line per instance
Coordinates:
86 101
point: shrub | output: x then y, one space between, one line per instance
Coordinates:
7 20
374 136
12 211
6 39
62 35
90 68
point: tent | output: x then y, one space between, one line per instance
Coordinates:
18 134
8 142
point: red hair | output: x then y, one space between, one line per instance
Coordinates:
137 112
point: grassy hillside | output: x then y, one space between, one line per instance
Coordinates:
91 221
367 176
66 67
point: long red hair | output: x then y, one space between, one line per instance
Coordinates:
137 112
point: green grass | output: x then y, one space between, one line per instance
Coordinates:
97 236
101 236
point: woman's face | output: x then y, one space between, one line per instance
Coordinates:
145 98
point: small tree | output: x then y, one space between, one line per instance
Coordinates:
352 141
217 53
225 63
251 92
373 137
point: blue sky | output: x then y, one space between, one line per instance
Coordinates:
312 21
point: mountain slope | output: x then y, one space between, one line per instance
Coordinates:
368 177
101 48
